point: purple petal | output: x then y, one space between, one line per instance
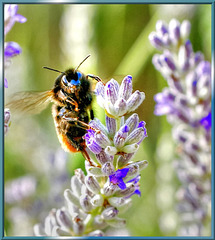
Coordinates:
12 49
155 40
135 180
141 124
122 172
125 89
19 18
113 179
198 57
111 125
5 83
189 48
161 27
121 184
111 92
11 9
90 134
125 129
170 63
206 121
204 67
99 90
137 191
93 146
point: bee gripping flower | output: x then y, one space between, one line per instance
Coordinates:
96 199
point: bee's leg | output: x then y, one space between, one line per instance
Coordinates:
68 99
87 157
91 114
97 78
65 127
80 124
73 102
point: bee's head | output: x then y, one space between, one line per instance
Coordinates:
71 80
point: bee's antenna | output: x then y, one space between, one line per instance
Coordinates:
97 78
82 62
52 69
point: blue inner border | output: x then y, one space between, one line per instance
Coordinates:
2 106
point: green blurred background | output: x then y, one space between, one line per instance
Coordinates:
116 36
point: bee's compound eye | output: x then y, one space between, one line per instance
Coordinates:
64 80
75 82
79 75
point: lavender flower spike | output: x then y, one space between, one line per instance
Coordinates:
187 104
96 199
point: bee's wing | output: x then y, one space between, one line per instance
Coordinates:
30 102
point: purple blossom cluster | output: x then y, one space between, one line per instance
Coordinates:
96 200
11 49
187 104
118 100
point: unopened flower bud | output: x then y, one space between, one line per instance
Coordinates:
109 189
78 225
110 150
71 198
174 30
117 222
124 159
155 40
80 175
135 100
76 185
99 222
92 184
63 218
132 148
109 213
97 200
132 122
108 168
111 125
85 203
102 139
96 171
127 191
142 164
111 91
116 201
185 29
135 136
125 89
120 107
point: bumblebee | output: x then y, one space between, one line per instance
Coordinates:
72 107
